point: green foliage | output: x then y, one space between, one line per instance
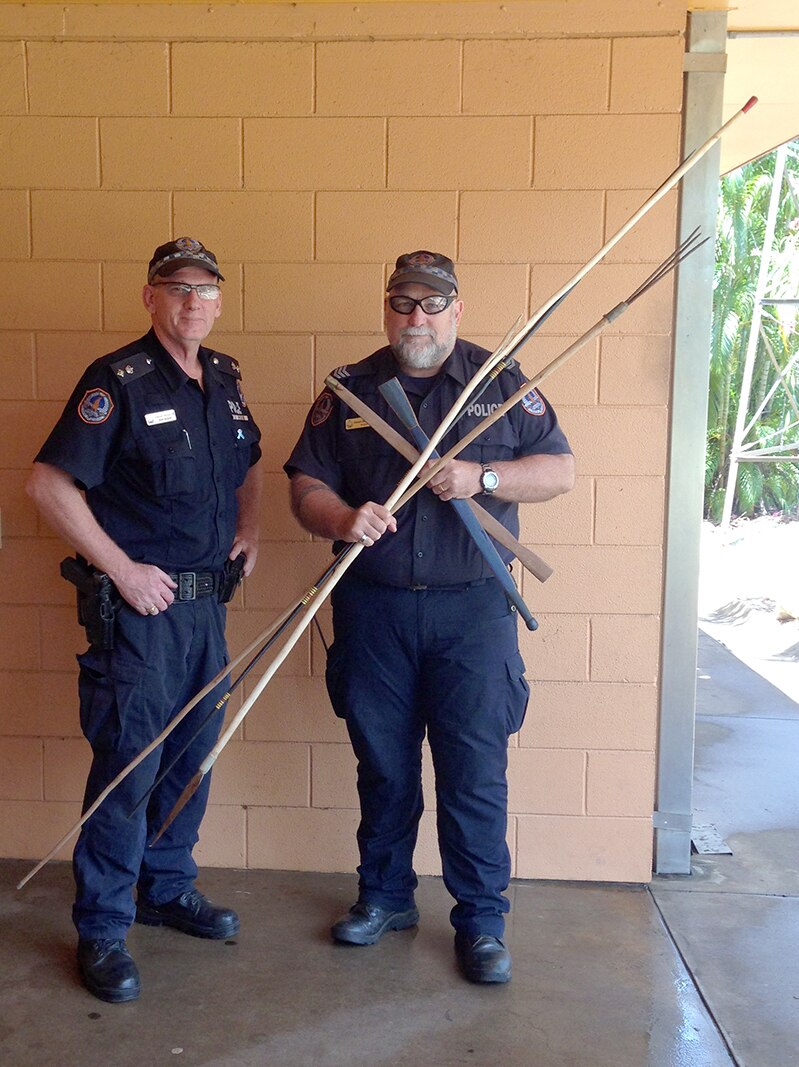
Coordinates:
743 209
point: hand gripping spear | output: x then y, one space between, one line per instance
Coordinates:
690 245
324 590
691 160
318 591
406 490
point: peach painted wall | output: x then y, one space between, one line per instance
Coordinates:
308 145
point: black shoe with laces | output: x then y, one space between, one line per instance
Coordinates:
483 958
364 924
191 913
108 970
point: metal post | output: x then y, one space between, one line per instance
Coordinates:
702 111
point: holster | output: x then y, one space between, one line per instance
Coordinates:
98 601
231 576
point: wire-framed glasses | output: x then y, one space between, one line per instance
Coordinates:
205 291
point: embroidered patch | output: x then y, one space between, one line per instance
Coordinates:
322 409
96 406
533 404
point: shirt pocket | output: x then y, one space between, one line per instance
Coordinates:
170 462
244 437
499 442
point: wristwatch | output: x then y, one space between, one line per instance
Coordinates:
489 479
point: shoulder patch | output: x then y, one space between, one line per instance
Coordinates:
95 407
135 366
226 364
322 409
533 403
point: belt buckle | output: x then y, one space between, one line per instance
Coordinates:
187 585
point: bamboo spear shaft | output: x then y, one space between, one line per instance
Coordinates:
511 347
689 246
532 562
666 186
184 711
314 596
324 591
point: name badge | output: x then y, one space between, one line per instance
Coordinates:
155 418
356 424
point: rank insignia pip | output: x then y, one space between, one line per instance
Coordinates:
95 407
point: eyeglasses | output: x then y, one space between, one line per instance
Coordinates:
430 305
182 289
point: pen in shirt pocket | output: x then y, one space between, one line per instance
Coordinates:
188 439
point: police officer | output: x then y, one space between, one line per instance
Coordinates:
152 475
424 638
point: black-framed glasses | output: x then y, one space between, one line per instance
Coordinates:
205 291
430 305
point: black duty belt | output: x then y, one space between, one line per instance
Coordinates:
191 585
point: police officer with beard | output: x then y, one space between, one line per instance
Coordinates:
425 641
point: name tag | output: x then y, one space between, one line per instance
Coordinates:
356 424
155 418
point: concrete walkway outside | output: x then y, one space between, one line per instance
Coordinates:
696 972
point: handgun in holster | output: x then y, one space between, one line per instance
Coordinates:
98 601
231 577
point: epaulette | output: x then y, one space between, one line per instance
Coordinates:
350 370
226 364
132 367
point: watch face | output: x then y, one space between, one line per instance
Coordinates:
489 480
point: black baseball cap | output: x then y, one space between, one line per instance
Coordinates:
427 268
184 252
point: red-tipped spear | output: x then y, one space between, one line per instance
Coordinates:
517 341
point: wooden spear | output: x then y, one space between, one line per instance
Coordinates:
529 560
510 348
324 591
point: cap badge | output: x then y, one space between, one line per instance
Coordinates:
188 244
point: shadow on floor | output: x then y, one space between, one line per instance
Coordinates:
695 972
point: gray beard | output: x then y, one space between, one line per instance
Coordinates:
411 356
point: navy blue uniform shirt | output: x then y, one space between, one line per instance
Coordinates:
160 459
431 546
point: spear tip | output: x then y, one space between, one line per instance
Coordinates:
182 801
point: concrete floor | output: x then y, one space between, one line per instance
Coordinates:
692 972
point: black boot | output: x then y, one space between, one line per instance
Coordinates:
191 913
108 970
482 958
366 923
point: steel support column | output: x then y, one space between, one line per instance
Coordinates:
702 114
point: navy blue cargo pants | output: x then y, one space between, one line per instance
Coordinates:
127 697
445 662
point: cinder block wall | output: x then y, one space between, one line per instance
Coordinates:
309 145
